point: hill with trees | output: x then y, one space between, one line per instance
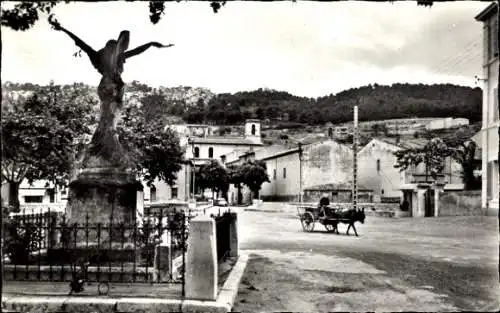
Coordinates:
375 102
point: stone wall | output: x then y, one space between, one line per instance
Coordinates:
460 203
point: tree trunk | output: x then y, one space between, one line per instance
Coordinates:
239 201
14 196
255 194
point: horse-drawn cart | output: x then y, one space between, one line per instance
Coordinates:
329 217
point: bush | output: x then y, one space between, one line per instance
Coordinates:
20 240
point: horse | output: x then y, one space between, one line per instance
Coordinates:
348 217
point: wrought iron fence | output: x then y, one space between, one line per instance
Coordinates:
46 247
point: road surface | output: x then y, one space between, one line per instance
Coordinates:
405 264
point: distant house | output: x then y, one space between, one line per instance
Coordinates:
38 196
447 123
489 130
292 170
376 171
201 146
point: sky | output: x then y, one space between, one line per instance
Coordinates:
306 48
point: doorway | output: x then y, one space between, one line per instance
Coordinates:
429 203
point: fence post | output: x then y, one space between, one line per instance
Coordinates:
201 263
233 236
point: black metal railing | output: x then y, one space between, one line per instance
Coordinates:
223 234
46 247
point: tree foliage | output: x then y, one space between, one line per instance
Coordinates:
252 174
153 148
458 145
213 176
433 155
374 102
41 135
25 14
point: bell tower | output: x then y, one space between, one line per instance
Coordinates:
252 130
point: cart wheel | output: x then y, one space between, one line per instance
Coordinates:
307 221
329 228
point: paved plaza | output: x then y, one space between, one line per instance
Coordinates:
405 264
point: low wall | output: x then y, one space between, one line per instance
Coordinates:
460 203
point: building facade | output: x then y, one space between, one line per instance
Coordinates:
201 145
292 170
490 125
376 171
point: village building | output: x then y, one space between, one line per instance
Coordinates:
292 170
415 185
201 144
489 131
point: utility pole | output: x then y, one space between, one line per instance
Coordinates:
355 161
193 170
300 172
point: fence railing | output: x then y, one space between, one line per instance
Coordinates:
46 247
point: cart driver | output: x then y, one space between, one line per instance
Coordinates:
323 203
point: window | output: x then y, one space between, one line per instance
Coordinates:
33 199
253 129
274 174
152 191
378 165
196 152
174 192
284 172
210 152
330 132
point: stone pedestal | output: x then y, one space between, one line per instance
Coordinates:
201 262
103 202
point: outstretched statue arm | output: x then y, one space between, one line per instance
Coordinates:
80 43
143 48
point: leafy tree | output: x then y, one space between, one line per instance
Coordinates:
152 147
213 176
25 14
252 174
40 136
463 150
433 155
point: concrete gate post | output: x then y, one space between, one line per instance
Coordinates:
201 261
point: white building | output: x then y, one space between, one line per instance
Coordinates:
293 170
201 146
489 130
446 123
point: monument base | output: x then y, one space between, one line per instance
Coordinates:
103 204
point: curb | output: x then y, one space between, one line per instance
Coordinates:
223 304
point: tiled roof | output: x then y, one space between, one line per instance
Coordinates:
336 187
223 141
